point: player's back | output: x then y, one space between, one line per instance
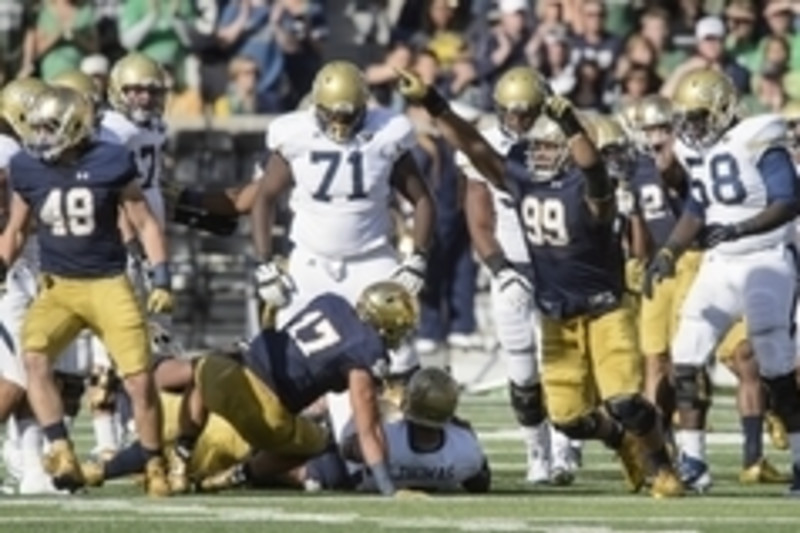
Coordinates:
507 227
314 353
727 181
660 206
341 191
577 259
76 208
457 459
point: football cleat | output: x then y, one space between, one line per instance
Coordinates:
227 479
155 478
93 473
778 435
62 465
666 484
762 472
538 472
562 477
632 468
694 473
178 473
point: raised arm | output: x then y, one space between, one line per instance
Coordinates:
459 133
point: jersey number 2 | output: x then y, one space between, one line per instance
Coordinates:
726 184
69 212
313 333
333 161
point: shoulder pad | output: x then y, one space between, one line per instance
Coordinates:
123 130
285 128
762 132
396 129
8 149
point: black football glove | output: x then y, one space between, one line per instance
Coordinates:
714 234
660 268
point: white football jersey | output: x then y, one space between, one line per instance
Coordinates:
507 227
147 145
726 179
458 459
341 192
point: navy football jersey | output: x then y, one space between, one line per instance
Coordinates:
314 353
76 208
660 206
577 261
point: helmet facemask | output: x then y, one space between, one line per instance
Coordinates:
701 128
341 122
143 102
546 158
658 139
516 119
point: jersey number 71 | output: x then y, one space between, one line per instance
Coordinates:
332 161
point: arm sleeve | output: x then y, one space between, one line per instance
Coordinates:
694 207
779 174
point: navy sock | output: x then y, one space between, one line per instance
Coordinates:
57 431
150 453
130 460
752 427
184 445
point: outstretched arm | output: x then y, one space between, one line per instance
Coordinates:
369 428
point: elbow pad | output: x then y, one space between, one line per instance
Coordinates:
597 181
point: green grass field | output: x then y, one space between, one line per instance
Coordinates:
597 502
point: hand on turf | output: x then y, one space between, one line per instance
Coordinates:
408 494
411 274
660 268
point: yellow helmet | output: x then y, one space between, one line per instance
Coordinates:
340 95
548 150
390 309
60 118
431 397
791 111
614 146
83 83
705 104
518 97
16 100
136 88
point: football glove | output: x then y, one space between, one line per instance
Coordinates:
408 494
411 273
274 286
560 110
515 289
159 301
660 268
411 86
714 234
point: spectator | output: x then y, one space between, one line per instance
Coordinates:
106 13
65 34
591 41
769 83
17 39
158 29
742 41
710 33
636 69
247 28
183 99
241 97
370 21
554 61
589 91
550 20
654 26
682 27
779 16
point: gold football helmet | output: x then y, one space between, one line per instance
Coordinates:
614 145
705 104
390 309
431 397
548 150
78 81
60 118
137 87
16 100
518 97
340 95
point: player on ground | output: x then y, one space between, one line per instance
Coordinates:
495 231
343 162
328 346
743 204
566 203
74 187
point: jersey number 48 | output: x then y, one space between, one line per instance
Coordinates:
69 212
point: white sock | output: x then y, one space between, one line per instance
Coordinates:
31 441
692 442
105 434
794 446
560 446
537 441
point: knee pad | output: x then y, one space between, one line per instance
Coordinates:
581 428
633 412
328 471
692 388
72 388
784 397
528 404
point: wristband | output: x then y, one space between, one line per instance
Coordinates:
162 279
496 262
434 103
381 476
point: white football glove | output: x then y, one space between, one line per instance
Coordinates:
515 289
411 273
274 285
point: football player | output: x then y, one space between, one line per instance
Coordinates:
742 205
329 345
495 229
566 203
74 187
342 162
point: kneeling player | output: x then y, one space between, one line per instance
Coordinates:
328 346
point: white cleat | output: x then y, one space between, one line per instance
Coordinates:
538 472
39 484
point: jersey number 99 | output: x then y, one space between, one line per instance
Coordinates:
545 221
69 212
726 184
